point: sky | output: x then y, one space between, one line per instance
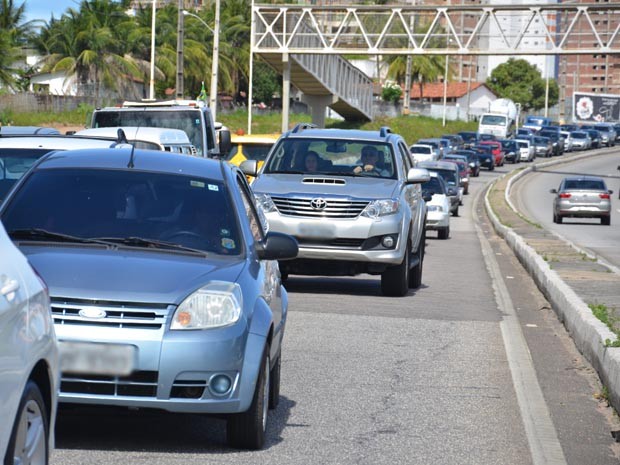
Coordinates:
43 9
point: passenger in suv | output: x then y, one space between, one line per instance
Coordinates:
346 220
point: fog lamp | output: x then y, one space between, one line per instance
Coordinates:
388 242
220 384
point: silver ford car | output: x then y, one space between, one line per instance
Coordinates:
351 198
164 284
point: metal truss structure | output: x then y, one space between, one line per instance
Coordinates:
532 29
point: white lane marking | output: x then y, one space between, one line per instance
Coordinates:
531 325
542 437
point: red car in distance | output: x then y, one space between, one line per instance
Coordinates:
498 153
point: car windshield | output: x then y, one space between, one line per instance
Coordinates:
540 140
13 165
342 157
508 144
433 186
498 120
132 206
578 135
187 120
522 144
550 134
451 177
250 151
421 149
585 185
602 128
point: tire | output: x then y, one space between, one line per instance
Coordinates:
444 233
395 280
274 391
456 212
29 438
606 220
492 167
247 430
415 274
555 218
559 219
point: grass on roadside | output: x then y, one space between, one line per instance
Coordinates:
608 317
410 127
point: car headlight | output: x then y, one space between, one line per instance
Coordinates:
434 208
382 207
212 306
264 200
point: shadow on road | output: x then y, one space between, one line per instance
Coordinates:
111 428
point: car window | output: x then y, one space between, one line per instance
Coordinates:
14 163
258 221
404 155
250 151
333 156
433 186
584 184
94 203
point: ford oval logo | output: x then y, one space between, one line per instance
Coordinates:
92 313
318 203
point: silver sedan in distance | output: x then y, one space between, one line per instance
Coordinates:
582 197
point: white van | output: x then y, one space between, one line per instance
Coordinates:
166 139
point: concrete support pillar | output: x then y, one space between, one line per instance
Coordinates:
318 105
286 90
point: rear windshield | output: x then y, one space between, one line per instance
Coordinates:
342 157
419 149
189 120
96 203
451 177
433 186
13 165
585 184
250 151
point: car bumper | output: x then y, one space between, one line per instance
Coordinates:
437 220
172 369
351 240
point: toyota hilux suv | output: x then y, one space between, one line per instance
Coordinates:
353 201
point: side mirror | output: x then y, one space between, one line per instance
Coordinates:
452 191
418 176
225 144
427 196
249 167
277 246
553 191
610 191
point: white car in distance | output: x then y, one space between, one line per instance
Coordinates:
29 361
526 150
423 152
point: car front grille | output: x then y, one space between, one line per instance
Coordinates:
340 243
333 208
109 314
138 384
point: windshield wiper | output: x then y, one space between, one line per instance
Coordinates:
286 172
134 241
43 234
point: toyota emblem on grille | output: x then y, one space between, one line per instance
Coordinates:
318 203
92 313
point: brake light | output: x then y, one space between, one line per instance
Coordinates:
604 196
564 196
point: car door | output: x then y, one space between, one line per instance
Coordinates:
269 274
412 193
13 327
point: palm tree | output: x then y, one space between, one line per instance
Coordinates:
14 34
88 43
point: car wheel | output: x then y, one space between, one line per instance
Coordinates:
491 168
395 280
247 430
558 219
456 211
28 441
415 274
274 392
606 220
444 233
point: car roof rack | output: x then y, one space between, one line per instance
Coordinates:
301 126
384 131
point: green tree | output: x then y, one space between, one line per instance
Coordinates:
521 81
15 32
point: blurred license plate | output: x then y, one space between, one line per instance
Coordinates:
317 230
97 359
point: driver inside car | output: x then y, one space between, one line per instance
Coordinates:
369 160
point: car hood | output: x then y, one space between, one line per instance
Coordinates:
127 275
348 186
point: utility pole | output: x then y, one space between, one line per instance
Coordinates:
180 35
215 64
152 80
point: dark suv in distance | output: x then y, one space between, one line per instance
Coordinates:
353 201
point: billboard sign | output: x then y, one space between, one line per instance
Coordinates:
595 107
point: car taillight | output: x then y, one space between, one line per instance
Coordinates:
604 196
564 196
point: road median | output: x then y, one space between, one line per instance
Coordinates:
569 278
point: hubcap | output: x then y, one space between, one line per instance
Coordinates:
30 441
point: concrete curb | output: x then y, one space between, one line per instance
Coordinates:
587 331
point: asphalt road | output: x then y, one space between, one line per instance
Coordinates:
423 379
536 202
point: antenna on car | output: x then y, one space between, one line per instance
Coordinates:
301 126
384 131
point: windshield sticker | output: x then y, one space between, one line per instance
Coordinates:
228 243
198 184
213 187
224 232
